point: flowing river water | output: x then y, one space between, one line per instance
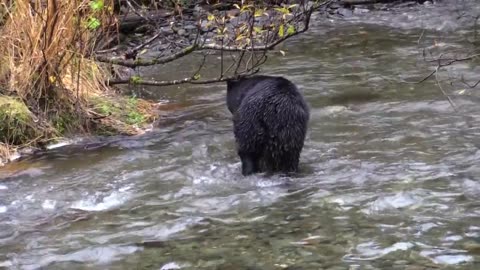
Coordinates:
390 176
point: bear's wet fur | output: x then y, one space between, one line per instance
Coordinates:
270 121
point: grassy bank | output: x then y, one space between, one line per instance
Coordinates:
49 87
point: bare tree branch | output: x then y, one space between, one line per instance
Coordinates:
190 80
449 61
248 45
454 107
471 86
196 47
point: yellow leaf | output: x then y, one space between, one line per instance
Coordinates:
283 10
291 29
236 6
210 17
281 30
245 8
257 29
52 79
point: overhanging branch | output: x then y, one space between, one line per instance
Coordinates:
190 80
139 62
300 21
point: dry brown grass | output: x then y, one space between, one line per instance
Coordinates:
43 45
5 153
44 49
49 85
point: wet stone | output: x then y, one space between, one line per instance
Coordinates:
167 30
346 12
160 47
182 32
190 27
144 28
359 10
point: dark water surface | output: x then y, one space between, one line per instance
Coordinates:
390 175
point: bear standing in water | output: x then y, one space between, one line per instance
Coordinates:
270 120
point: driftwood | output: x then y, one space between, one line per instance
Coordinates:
132 21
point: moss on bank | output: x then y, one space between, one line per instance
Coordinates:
121 114
111 114
50 86
17 125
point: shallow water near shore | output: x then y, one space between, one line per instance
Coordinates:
390 176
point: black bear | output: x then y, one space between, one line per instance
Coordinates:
270 120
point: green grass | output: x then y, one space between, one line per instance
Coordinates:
13 108
134 116
125 110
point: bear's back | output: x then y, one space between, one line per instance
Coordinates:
261 87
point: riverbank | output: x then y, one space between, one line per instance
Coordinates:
113 115
51 88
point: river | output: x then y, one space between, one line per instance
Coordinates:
390 176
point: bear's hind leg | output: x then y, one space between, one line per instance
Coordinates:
289 161
250 163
